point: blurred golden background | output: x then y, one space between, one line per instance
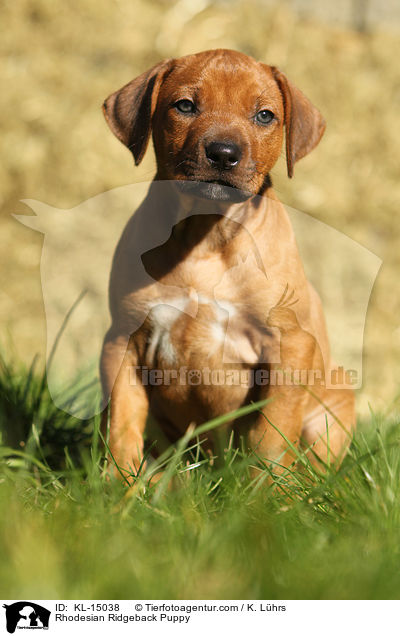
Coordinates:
61 59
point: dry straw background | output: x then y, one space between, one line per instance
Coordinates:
61 59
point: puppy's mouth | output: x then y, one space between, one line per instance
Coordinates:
214 190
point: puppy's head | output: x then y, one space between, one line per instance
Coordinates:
217 120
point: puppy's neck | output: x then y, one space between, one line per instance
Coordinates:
199 220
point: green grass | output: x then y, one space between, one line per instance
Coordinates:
66 531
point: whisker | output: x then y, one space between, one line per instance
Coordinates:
291 304
280 301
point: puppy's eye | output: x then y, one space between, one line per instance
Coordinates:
264 117
185 106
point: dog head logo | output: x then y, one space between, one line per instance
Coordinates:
26 615
76 261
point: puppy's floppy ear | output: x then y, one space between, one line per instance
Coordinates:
129 111
303 122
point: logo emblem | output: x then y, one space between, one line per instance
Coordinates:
26 615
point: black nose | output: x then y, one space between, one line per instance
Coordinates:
223 154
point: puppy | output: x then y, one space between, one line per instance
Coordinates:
209 302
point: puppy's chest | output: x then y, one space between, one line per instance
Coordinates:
219 317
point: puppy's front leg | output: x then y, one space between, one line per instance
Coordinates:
281 418
283 415
129 404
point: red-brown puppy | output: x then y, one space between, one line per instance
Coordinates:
207 286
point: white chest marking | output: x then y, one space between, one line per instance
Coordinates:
164 314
